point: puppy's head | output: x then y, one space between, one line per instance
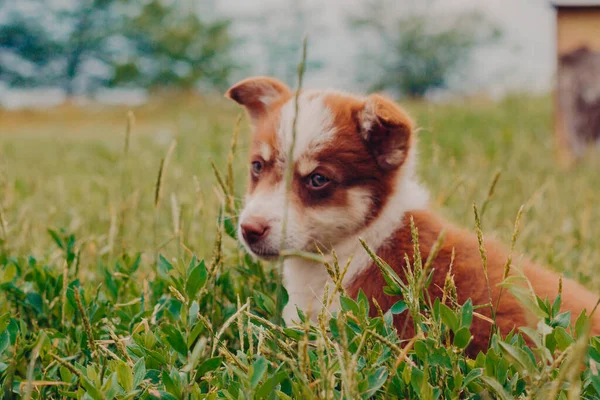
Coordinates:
347 154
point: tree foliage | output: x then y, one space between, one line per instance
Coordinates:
417 50
93 43
25 49
174 48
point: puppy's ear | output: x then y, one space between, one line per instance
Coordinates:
257 94
387 130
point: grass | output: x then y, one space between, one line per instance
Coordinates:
161 301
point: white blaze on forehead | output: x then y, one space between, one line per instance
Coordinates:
265 151
314 124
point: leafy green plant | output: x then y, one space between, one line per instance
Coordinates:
191 328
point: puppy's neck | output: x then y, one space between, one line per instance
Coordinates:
305 280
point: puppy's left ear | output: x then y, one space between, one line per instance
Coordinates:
387 130
257 94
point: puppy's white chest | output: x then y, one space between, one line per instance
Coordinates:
305 283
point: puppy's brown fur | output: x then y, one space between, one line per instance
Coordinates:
469 278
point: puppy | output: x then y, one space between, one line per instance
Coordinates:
353 163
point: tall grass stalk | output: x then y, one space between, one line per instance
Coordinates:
86 324
449 291
124 181
230 160
570 369
120 347
288 181
227 200
3 189
490 192
176 212
30 369
157 195
447 192
113 231
159 180
595 307
157 189
483 254
228 322
3 226
128 131
226 184
65 286
508 264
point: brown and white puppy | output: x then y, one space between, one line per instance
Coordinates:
353 176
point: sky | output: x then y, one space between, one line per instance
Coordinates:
523 61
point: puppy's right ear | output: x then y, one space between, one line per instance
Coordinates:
257 94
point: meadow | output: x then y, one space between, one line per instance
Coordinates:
120 278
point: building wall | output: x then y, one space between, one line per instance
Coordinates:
577 27
577 114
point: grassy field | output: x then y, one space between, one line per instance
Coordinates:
67 168
70 171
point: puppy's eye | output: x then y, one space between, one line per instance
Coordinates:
318 181
256 168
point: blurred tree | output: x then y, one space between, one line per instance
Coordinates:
25 49
80 46
172 46
46 43
417 50
93 25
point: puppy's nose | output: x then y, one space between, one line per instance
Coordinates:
254 229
